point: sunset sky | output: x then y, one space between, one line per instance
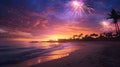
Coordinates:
53 19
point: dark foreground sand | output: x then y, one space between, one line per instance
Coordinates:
102 54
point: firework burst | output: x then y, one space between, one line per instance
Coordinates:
106 24
77 9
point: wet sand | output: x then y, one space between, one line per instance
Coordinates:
97 54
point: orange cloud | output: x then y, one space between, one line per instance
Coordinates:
36 23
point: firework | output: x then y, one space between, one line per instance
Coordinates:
77 9
106 25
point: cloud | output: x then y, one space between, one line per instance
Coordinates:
3 31
15 34
42 18
21 33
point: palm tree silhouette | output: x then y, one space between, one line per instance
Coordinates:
80 36
94 35
75 36
115 16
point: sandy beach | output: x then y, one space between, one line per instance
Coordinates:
101 55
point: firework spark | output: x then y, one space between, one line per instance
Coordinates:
77 9
106 25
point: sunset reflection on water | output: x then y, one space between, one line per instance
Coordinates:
63 50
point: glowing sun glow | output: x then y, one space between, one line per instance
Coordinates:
55 37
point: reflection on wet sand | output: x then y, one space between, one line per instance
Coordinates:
63 51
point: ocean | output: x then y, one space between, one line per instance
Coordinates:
16 52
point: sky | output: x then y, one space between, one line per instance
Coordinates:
54 19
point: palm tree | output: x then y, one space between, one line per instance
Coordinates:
115 16
94 35
75 36
80 36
